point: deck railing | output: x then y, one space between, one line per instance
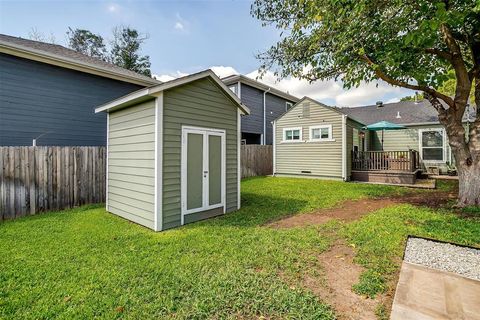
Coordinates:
405 161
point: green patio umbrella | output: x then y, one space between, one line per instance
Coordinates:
383 125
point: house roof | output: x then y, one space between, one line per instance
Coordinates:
60 56
153 91
259 85
403 112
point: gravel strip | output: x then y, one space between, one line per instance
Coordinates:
444 256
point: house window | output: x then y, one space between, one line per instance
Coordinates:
292 134
321 133
288 106
234 89
432 144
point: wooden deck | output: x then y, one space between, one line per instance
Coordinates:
392 167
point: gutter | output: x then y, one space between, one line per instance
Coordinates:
265 115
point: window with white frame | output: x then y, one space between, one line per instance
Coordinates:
292 134
288 106
234 88
432 144
319 133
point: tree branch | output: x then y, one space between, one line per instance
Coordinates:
440 53
382 75
464 83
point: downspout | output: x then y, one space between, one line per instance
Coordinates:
265 115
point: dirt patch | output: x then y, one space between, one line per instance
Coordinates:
355 209
335 288
347 211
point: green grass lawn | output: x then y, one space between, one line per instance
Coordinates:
86 263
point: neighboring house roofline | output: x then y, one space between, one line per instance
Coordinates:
259 85
152 92
23 51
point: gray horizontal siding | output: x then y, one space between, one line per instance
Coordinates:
402 140
253 99
323 159
36 98
274 108
131 163
202 104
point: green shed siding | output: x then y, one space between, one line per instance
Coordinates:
323 159
404 140
131 163
201 104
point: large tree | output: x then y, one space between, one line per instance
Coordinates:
125 51
86 42
407 43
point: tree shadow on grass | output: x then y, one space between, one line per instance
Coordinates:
257 210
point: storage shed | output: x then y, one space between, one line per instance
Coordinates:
173 152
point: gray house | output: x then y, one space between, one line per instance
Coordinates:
266 104
47 92
173 152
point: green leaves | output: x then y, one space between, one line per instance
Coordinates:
328 37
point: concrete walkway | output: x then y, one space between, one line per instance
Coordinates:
428 294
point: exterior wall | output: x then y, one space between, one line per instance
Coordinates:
275 108
36 98
253 123
398 140
323 159
252 98
131 163
202 104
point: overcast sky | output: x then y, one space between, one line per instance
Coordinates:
184 37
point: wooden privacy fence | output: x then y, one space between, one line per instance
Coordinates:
256 160
36 179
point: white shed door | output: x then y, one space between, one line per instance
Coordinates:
203 169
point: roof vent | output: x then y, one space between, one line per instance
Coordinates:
398 115
379 104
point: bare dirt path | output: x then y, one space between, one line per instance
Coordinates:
335 286
351 210
339 272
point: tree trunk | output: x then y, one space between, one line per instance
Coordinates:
468 168
469 184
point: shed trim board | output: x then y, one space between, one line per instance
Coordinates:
106 169
274 148
205 132
158 222
239 165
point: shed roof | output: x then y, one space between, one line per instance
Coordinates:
58 55
152 92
